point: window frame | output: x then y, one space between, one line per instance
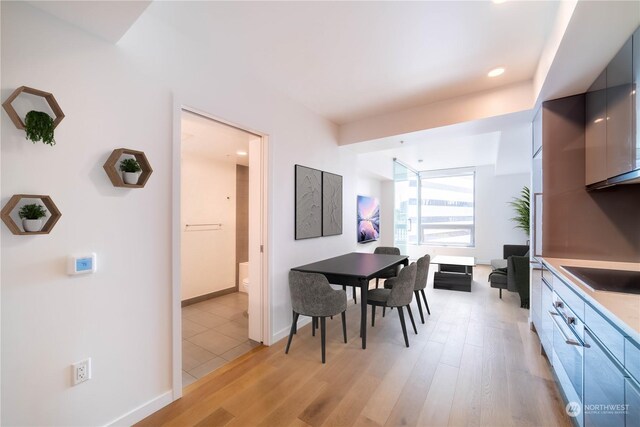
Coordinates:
447 173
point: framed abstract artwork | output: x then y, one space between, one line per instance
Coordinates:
368 219
308 212
331 204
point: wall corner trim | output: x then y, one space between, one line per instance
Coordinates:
144 410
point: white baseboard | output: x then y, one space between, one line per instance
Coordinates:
284 333
144 410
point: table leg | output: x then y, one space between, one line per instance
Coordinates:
364 288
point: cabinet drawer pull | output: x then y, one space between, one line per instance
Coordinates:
567 340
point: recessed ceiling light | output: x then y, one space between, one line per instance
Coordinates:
241 153
496 72
598 120
420 160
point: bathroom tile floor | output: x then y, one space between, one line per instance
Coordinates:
214 332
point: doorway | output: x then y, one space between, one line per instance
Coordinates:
219 231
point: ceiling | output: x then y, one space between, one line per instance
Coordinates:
350 60
502 142
206 138
106 19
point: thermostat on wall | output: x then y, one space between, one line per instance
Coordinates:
82 264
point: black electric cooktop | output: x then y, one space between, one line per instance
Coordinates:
600 279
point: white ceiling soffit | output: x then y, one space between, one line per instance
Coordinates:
108 20
458 130
504 142
476 150
351 60
206 138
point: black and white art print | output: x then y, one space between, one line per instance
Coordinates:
331 204
308 202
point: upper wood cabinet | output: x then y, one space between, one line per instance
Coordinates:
611 116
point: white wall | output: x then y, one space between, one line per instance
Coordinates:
115 96
494 227
387 206
208 253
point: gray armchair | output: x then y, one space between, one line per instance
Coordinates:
422 274
512 272
389 272
399 296
312 295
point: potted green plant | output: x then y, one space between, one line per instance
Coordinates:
31 216
521 206
39 127
130 170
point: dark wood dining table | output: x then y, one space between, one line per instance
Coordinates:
355 269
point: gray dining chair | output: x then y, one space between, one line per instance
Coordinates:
399 296
422 274
389 272
312 295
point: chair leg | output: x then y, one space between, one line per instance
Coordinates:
344 325
417 293
355 298
377 282
373 315
323 334
415 330
295 323
384 309
314 325
426 304
404 327
293 331
500 293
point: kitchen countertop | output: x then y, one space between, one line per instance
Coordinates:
625 308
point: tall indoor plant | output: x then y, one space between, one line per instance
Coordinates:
521 207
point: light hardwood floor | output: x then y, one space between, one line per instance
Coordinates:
474 362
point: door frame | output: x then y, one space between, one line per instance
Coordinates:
176 299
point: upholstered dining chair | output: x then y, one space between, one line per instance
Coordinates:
312 295
399 296
389 272
422 274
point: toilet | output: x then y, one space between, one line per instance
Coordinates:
243 277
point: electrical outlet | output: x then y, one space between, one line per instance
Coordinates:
81 371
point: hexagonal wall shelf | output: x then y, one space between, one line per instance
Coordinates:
17 120
54 214
111 166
